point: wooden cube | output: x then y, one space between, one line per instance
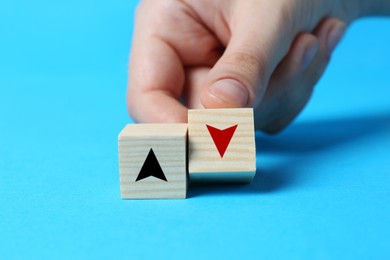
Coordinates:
152 161
221 145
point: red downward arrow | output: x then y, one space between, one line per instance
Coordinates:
221 138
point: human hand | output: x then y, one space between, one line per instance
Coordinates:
220 54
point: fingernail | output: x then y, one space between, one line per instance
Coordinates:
309 54
334 36
231 91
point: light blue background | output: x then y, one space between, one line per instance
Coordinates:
321 192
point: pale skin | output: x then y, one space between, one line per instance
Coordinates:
235 53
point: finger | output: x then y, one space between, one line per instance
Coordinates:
156 78
292 84
287 92
155 83
330 32
194 81
180 26
241 75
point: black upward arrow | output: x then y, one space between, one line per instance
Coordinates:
151 167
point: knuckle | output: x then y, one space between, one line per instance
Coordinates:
250 68
246 63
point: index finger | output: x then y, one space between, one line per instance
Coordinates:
156 78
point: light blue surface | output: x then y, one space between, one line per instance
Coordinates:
322 190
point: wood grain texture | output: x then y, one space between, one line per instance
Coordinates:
239 161
168 142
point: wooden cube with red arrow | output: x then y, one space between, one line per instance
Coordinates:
221 145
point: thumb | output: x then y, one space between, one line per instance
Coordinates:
241 75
